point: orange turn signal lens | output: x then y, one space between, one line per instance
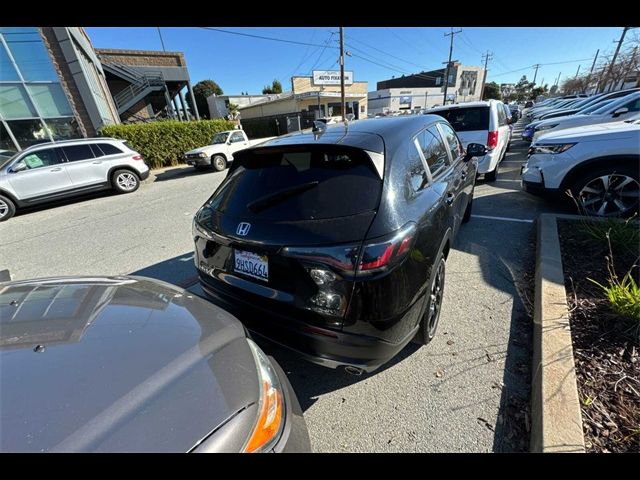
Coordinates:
269 419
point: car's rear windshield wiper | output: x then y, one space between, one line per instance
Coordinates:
271 199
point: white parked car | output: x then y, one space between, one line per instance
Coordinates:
54 170
219 153
618 110
598 164
485 123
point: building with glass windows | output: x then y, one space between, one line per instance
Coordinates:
52 86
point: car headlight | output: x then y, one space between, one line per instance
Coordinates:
271 409
550 148
202 155
545 127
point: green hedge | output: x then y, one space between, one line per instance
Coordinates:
164 143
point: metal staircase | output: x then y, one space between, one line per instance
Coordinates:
140 85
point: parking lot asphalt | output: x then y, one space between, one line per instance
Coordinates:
467 391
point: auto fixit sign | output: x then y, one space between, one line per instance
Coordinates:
331 77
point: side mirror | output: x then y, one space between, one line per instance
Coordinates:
18 167
620 111
475 150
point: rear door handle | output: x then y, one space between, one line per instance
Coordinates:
450 198
97 162
57 169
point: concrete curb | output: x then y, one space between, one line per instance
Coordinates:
555 405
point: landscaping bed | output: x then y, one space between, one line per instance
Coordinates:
605 334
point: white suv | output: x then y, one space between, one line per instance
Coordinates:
597 163
485 123
55 170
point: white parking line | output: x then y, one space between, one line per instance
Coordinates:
506 219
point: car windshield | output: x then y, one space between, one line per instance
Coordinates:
467 119
592 108
219 138
618 102
6 156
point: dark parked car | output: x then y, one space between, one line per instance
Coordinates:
334 244
529 104
130 364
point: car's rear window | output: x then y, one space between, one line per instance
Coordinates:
299 183
467 119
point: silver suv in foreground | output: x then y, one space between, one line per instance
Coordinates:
52 171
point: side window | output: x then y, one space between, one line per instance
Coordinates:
96 150
76 153
237 137
41 158
108 149
452 140
414 170
434 151
634 105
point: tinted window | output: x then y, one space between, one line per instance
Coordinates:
109 149
502 120
237 137
434 151
313 182
467 119
413 168
633 106
96 150
75 153
452 140
41 158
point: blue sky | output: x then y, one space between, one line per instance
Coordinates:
240 63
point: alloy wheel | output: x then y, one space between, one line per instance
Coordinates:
435 302
4 208
219 163
610 195
127 181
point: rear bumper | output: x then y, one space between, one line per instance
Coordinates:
322 346
144 175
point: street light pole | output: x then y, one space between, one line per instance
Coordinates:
343 103
615 56
446 79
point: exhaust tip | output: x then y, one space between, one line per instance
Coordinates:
353 370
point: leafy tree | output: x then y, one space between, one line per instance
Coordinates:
492 90
201 91
541 90
523 89
276 87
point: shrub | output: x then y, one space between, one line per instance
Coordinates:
622 234
623 296
164 143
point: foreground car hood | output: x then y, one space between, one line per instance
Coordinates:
117 364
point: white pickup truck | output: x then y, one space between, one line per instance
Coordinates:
219 153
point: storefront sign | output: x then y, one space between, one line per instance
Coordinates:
331 77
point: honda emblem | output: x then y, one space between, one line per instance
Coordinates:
243 229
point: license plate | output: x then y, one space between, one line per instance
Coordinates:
252 264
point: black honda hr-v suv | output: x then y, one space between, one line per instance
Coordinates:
333 242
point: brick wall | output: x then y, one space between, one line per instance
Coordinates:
142 58
67 82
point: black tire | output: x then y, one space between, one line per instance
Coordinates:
431 316
7 208
125 181
219 163
467 212
622 181
491 176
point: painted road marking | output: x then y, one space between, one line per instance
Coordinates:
505 219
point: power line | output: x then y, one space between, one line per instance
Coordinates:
383 52
262 37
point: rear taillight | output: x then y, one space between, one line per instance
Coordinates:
373 256
492 140
137 157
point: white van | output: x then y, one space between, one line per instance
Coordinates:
480 122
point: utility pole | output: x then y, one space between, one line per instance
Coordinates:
537 65
629 66
593 65
486 57
577 72
343 103
558 79
615 55
446 79
161 40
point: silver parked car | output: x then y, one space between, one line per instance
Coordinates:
55 170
